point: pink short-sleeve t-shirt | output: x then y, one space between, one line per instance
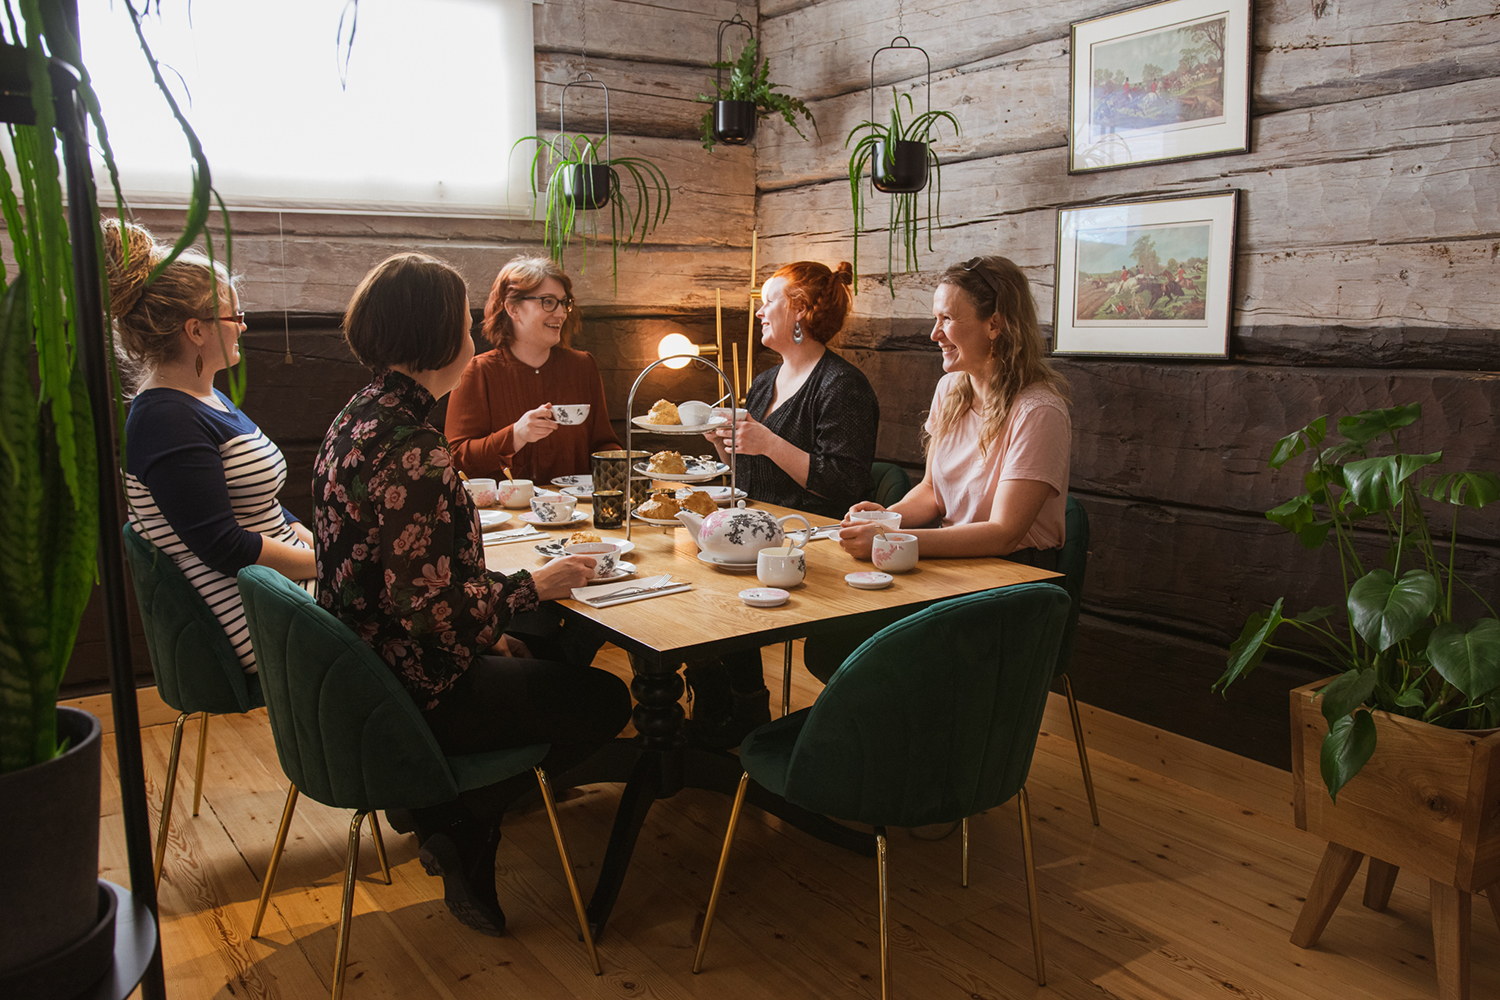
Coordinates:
1034 443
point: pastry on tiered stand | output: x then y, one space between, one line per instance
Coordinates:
669 462
663 412
661 507
699 502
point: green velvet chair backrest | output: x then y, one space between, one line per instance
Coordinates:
935 717
196 667
346 731
1072 562
888 483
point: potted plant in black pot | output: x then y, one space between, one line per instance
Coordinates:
748 97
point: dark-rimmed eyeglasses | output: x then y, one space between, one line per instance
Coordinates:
972 264
231 318
549 303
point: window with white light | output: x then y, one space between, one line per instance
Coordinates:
436 95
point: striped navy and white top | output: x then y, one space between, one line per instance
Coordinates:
202 485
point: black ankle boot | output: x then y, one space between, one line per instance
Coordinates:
464 856
724 730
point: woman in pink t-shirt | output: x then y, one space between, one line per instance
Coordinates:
998 437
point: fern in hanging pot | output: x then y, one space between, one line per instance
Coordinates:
582 176
749 96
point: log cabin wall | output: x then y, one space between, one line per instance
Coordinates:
1366 270
299 269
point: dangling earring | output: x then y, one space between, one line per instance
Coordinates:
198 365
797 332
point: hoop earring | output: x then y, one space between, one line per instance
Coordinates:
797 332
198 365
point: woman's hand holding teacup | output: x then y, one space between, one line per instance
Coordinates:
856 536
749 437
533 425
557 579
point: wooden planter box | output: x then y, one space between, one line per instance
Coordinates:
1427 801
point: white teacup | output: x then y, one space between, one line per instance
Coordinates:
737 416
693 413
889 520
482 492
894 552
553 508
606 556
780 567
570 413
514 492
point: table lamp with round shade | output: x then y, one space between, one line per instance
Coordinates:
678 348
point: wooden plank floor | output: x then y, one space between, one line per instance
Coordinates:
1180 894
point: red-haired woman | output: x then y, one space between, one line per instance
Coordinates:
807 444
501 412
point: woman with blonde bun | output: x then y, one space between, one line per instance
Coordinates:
200 477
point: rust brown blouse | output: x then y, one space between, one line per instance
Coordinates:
496 390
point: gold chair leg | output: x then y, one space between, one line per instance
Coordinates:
165 822
885 943
786 680
202 753
385 868
346 912
965 826
713 897
1031 897
1083 754
567 865
275 862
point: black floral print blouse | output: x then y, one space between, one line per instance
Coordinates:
400 556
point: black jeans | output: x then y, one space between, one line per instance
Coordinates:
502 702
823 654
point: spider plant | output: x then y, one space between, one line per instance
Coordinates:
900 157
576 166
749 84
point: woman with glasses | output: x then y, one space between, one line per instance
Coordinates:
501 413
200 478
999 438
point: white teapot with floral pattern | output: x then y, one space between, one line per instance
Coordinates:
737 534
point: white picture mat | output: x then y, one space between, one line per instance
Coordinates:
1208 337
1226 133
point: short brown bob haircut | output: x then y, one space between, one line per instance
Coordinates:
522 276
410 311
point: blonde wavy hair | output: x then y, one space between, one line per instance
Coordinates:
149 319
1018 357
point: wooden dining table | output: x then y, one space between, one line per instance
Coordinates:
709 620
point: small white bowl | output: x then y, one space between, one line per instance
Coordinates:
693 413
889 520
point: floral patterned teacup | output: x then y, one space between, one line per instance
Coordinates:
780 567
894 552
514 492
606 556
889 520
570 413
553 508
481 491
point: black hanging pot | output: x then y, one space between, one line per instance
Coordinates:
586 185
734 122
904 173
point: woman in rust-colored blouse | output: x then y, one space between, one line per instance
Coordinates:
501 413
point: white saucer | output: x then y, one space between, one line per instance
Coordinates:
646 425
764 597
869 580
660 522
492 519
574 481
553 548
585 492
578 518
729 567
705 471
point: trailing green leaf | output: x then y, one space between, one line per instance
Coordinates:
1347 748
1347 692
1469 660
1250 648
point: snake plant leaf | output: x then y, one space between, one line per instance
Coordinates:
1367 425
1297 442
1470 661
1347 692
1250 648
1463 489
1377 484
1385 610
1347 748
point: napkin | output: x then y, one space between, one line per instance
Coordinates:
513 535
602 596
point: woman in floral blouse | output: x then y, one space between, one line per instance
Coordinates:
400 560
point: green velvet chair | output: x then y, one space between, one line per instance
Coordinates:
1072 562
348 735
196 667
903 737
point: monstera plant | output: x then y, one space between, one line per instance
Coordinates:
1412 637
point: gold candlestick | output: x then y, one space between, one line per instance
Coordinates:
738 399
719 323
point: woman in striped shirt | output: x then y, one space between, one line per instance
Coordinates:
200 477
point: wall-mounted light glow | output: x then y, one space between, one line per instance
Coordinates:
676 344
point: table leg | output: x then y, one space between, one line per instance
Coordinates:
1335 872
641 791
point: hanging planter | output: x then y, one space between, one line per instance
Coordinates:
582 176
899 155
749 96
